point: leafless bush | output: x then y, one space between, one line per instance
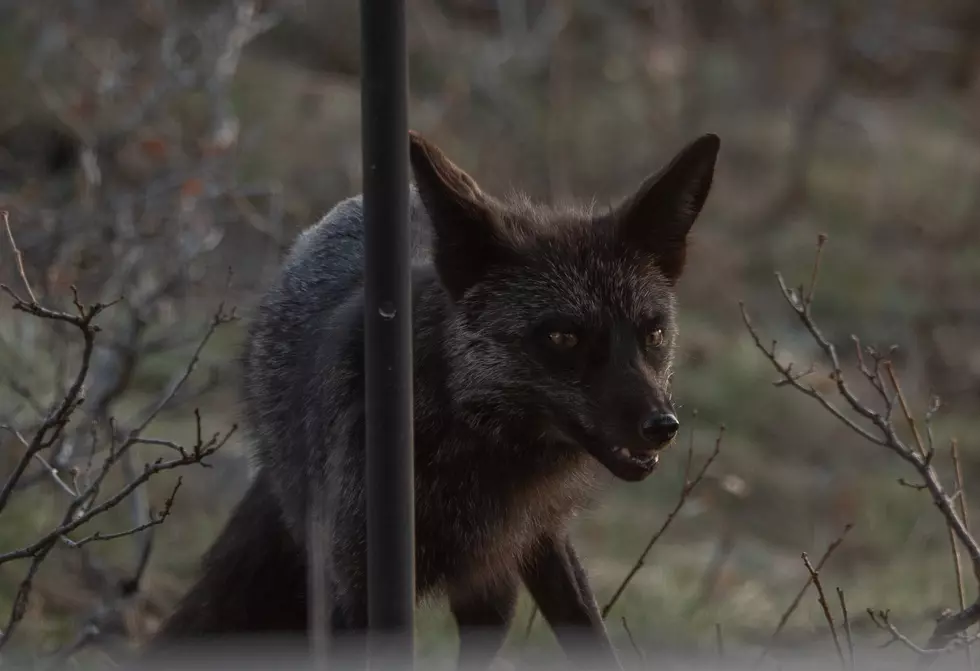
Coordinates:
83 478
122 190
154 138
878 421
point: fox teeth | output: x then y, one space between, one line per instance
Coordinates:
623 452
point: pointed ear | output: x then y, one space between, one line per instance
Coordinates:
658 217
468 239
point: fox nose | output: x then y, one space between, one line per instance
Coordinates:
659 427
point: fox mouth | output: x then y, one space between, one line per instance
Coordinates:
631 465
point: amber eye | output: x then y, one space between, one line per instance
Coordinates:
655 338
563 340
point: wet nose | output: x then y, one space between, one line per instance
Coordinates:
659 427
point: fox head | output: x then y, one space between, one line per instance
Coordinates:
563 321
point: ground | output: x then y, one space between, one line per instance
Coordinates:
890 182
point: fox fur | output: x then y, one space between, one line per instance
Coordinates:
543 346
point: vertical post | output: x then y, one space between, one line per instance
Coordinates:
388 334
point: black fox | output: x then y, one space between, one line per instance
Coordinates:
543 340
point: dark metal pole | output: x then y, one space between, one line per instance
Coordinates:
388 333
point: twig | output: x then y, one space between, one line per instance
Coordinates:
794 381
920 446
847 629
689 486
964 515
85 515
79 512
799 596
821 240
18 257
154 521
954 548
49 470
636 648
880 619
219 318
23 594
822 598
51 428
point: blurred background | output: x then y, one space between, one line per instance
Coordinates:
169 152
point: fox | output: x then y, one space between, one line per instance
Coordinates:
543 346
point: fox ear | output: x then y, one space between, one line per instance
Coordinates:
658 217
468 238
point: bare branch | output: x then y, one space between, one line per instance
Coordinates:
636 648
799 595
880 619
815 577
808 299
954 449
847 629
82 514
18 257
794 381
51 428
919 455
22 597
954 549
154 521
688 487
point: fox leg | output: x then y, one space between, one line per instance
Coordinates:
557 581
483 619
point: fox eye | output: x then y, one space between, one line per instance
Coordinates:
563 339
654 338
